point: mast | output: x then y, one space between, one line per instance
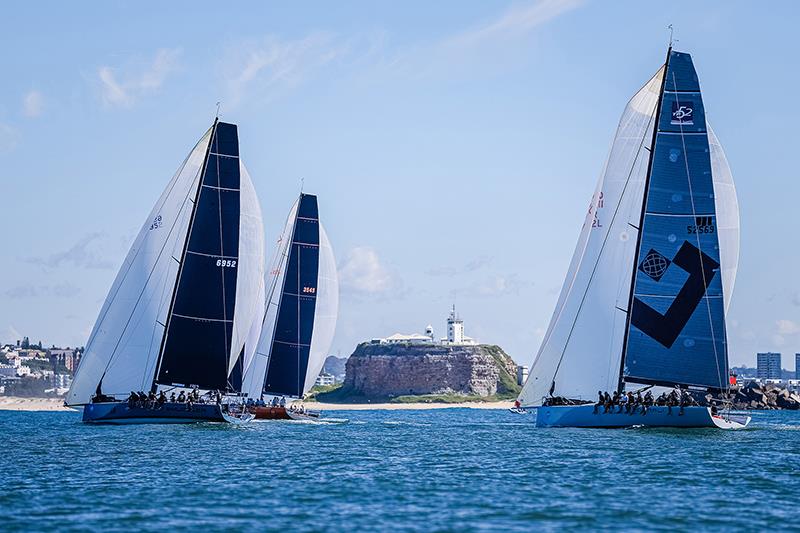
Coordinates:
645 195
195 202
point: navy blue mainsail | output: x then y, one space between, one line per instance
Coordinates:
676 324
197 341
291 341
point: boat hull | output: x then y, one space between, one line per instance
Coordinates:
270 413
281 413
169 413
656 416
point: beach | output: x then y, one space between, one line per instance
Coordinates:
13 403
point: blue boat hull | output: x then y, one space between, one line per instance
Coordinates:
584 416
169 413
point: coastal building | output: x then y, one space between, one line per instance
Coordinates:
797 366
455 334
768 365
325 379
522 375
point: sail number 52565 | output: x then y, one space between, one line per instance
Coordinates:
226 263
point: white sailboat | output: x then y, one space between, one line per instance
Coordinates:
184 311
645 296
299 316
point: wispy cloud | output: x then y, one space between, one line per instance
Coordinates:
514 22
471 266
27 291
259 68
788 327
123 86
32 104
362 273
493 287
490 43
82 254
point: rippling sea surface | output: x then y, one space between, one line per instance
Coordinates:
437 470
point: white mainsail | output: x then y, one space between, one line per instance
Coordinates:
123 347
581 351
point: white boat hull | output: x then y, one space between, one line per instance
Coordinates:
656 416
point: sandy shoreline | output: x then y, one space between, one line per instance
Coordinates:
12 403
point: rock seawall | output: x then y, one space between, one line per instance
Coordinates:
389 370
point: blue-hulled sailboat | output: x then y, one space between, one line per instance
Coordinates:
644 301
299 316
184 312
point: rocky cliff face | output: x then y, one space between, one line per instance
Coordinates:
387 370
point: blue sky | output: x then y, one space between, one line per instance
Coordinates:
454 146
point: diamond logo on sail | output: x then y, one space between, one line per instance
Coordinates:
682 114
654 265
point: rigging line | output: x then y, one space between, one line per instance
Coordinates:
697 238
602 247
619 135
150 274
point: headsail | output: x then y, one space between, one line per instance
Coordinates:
676 330
580 353
123 347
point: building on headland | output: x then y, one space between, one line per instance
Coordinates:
324 379
768 365
455 334
522 375
797 366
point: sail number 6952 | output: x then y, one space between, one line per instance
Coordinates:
225 263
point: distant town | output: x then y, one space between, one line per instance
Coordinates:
30 370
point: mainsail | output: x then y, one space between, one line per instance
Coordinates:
592 337
676 332
301 310
174 280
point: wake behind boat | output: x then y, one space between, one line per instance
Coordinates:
644 300
184 312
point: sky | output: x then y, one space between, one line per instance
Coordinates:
453 145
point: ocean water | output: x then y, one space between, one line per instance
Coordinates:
438 470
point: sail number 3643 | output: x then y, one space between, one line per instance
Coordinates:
226 263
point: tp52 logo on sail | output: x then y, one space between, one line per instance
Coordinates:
682 114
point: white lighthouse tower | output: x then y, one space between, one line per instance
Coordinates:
455 328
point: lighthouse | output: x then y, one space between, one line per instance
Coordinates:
455 328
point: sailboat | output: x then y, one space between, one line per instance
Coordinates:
184 312
299 316
644 300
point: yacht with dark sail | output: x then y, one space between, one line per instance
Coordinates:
183 316
644 301
299 317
